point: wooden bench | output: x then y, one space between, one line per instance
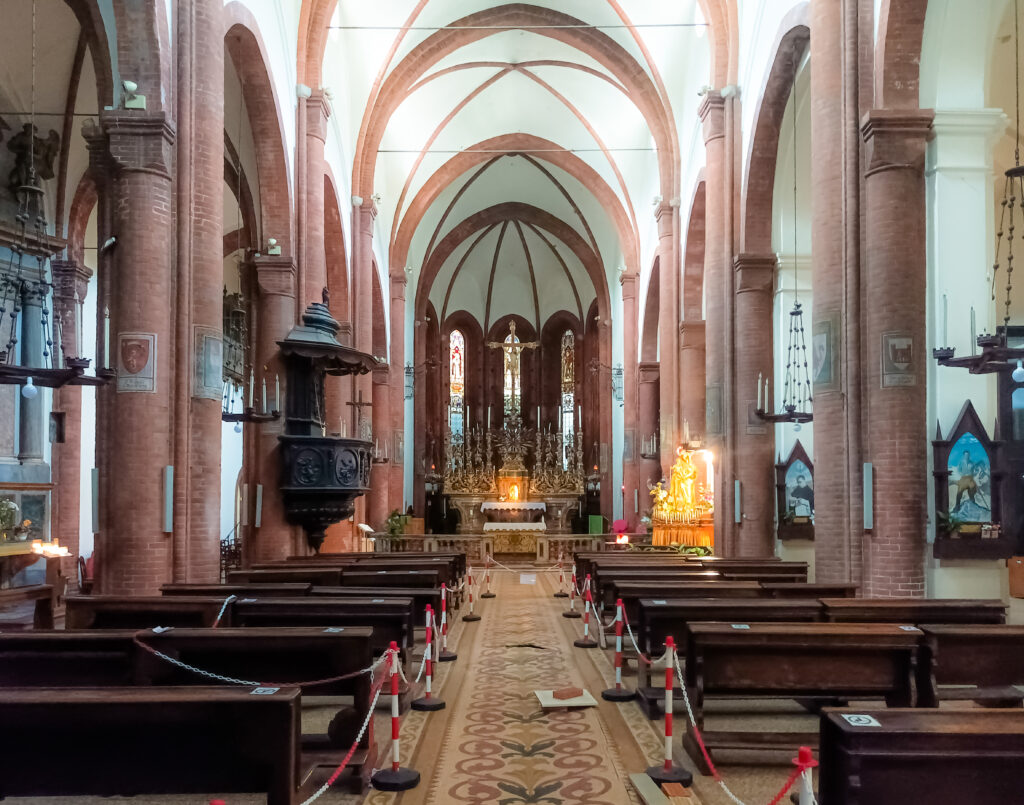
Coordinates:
904 756
786 589
987 660
146 741
42 594
913 610
457 559
143 612
280 590
304 574
446 574
390 578
421 596
632 591
809 661
603 578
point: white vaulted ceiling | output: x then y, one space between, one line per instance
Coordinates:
446 139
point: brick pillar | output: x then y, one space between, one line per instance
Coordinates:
364 212
648 399
632 420
377 500
895 395
712 115
134 552
692 369
68 278
754 442
395 430
314 273
833 546
200 172
274 538
668 330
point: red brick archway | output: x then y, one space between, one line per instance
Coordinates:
898 53
144 49
756 219
693 258
88 14
248 54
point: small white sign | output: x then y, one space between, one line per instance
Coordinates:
263 691
741 626
161 629
376 600
659 602
334 629
909 628
527 578
861 720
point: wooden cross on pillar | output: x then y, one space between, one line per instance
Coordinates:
361 430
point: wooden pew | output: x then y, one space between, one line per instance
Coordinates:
459 559
42 594
146 741
786 578
815 661
904 756
421 596
632 591
987 658
143 612
281 590
761 567
389 578
319 576
787 589
913 610
446 573
603 576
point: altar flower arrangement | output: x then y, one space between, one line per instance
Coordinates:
10 527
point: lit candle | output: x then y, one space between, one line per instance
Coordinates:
488 417
106 337
341 426
636 501
686 430
759 380
579 415
264 394
767 403
945 321
277 392
974 335
538 417
252 383
78 325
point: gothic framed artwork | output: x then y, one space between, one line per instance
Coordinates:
899 366
967 476
794 489
825 353
208 369
136 362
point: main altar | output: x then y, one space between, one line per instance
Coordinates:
514 484
683 513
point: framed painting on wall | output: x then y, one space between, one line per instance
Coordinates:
794 486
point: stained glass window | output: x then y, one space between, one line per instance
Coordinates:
568 397
456 381
513 384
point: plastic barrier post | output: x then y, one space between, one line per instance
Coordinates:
618 693
470 617
444 655
396 778
668 772
487 579
571 611
561 580
586 641
427 702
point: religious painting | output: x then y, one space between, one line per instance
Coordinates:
208 371
794 484
898 360
970 481
136 362
824 351
456 380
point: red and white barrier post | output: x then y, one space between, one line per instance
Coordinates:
669 772
427 702
805 761
561 579
396 778
571 611
618 693
487 579
444 655
586 641
470 616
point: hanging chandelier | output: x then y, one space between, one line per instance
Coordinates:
28 275
796 385
996 354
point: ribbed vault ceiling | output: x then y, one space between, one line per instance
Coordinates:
576 122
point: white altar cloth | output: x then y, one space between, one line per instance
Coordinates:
515 526
513 506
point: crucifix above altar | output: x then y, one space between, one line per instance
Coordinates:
513 348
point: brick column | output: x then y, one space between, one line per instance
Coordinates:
200 172
668 330
895 393
395 430
712 115
833 546
30 419
274 538
314 273
364 212
134 552
692 368
632 420
377 499
68 278
753 452
648 398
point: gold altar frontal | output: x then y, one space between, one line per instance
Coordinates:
702 534
524 542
